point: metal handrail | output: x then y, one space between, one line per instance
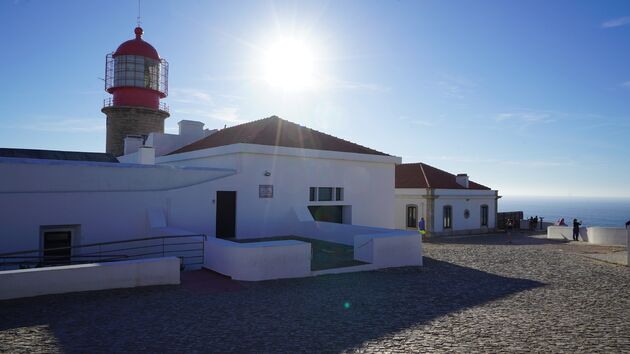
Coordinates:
106 256
109 102
107 243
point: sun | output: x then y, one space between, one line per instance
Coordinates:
289 64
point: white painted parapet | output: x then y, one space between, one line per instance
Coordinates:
258 260
607 236
389 250
611 236
565 233
84 277
337 233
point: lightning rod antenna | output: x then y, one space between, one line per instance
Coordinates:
138 18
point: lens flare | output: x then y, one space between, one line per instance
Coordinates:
289 64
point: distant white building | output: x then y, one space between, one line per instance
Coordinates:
450 204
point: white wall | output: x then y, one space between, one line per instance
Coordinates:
338 233
110 202
255 261
104 202
565 233
405 197
459 200
259 260
595 235
607 235
368 183
389 250
84 277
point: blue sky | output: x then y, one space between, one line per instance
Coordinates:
530 97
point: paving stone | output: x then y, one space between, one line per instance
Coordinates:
474 295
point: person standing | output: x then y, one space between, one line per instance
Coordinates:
576 230
422 226
509 225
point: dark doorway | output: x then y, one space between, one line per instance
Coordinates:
226 214
57 239
328 213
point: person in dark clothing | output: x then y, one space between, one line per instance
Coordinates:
627 223
576 229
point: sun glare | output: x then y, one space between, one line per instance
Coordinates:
289 64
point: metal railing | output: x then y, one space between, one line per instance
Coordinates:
109 102
189 248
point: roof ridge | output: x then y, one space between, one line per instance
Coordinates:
424 175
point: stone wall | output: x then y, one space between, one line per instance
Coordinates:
123 121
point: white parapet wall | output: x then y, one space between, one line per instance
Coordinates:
338 233
616 236
84 277
379 246
565 233
611 236
389 250
258 260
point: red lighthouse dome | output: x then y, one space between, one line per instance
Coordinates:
135 74
137 47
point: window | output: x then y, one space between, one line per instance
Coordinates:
137 71
57 247
484 215
412 216
338 193
325 194
448 217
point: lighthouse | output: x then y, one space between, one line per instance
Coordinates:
137 79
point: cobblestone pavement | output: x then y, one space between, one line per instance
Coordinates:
474 294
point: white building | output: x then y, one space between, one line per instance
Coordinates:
264 178
450 204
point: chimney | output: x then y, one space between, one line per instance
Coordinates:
146 155
191 129
132 143
462 179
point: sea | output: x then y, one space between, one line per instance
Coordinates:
611 212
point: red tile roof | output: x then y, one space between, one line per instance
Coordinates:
275 131
421 175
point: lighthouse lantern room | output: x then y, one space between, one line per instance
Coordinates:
137 78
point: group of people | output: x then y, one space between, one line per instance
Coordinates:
533 222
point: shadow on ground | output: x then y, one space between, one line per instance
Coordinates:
329 313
